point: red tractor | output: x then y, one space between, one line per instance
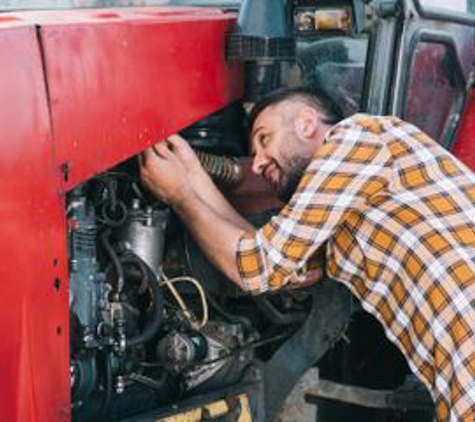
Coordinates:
109 309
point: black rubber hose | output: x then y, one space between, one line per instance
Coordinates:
276 316
105 240
157 309
232 318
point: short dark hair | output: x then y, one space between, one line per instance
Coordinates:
332 113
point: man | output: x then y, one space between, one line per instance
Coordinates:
394 211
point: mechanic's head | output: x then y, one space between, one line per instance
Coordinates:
286 130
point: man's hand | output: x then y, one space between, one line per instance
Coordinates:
171 171
179 157
163 171
185 153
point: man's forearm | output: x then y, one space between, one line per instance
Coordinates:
215 234
211 195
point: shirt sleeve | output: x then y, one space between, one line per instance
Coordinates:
352 166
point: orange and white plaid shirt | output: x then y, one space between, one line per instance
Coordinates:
396 214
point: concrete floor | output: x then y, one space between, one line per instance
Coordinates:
295 407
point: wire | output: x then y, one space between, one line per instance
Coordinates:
189 316
201 291
169 282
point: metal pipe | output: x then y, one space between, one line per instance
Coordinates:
376 399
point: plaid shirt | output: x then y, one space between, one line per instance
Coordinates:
395 213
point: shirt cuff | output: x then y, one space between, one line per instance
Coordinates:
256 270
250 265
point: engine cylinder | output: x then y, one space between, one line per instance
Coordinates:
143 233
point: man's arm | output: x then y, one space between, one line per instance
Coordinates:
217 236
349 168
213 223
202 184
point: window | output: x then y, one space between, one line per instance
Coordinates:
432 91
336 65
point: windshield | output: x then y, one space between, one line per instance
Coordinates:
6 5
336 65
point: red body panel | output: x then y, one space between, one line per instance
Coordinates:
34 315
463 147
118 86
90 89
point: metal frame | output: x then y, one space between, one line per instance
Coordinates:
438 14
378 78
444 38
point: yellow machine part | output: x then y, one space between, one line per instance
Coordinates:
214 410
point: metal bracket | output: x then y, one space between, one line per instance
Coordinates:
388 8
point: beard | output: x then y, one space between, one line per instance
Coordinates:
292 171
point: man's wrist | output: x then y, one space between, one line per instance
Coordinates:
185 193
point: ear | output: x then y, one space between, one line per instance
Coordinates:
306 122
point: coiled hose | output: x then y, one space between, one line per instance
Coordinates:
156 316
224 170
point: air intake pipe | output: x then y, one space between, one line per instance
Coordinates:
265 19
263 38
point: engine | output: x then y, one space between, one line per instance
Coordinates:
139 330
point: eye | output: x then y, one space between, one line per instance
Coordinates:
263 139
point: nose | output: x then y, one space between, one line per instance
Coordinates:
259 162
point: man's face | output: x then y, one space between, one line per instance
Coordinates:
280 155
